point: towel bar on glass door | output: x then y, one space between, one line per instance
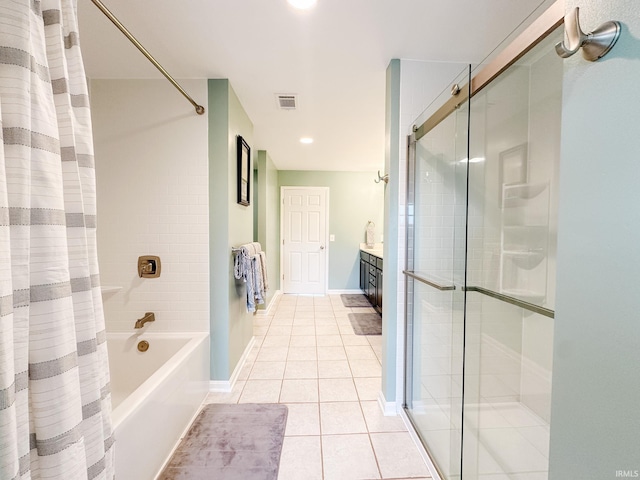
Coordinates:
427 281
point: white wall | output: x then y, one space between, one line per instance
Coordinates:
152 168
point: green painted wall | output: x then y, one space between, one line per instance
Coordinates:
354 199
595 418
255 193
230 224
268 219
391 231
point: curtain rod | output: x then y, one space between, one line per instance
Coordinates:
145 52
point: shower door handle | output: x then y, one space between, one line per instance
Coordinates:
428 281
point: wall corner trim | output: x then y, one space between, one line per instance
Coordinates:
225 386
389 409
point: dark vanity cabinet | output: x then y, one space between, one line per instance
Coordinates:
371 278
378 304
364 271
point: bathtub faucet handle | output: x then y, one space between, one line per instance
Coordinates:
148 317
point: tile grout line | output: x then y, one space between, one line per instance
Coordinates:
341 334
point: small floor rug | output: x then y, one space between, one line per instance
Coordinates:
231 442
354 300
366 323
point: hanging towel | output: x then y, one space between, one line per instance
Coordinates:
248 268
263 264
263 267
257 280
243 270
257 248
371 234
239 263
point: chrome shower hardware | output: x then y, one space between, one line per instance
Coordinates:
594 45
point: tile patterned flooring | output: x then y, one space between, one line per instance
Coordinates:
307 357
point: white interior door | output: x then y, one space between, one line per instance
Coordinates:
304 240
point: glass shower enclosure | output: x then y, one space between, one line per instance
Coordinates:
480 272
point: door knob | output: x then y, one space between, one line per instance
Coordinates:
321 247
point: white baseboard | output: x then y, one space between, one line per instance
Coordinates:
389 409
339 292
267 310
225 386
529 366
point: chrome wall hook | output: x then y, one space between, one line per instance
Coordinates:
384 178
594 45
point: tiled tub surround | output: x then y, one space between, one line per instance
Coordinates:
153 199
307 357
155 395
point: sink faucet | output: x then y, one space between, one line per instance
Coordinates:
148 317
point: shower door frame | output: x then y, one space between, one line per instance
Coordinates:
542 27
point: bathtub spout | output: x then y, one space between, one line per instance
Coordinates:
148 317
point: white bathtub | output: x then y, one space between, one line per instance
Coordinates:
155 395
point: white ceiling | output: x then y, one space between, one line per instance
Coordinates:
333 57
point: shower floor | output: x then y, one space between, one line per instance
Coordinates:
507 441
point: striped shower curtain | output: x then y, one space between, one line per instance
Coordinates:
54 375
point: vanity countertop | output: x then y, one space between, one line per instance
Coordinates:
376 251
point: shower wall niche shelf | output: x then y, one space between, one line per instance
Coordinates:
517 195
524 237
526 259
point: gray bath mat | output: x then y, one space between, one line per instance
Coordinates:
366 323
354 300
231 442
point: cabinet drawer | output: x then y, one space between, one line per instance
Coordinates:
372 270
364 256
379 263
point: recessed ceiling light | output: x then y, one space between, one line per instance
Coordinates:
302 4
306 140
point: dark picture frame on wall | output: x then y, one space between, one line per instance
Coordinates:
244 171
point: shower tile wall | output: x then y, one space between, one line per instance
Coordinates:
151 154
508 246
511 249
515 356
421 83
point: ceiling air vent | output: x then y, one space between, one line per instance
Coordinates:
287 101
